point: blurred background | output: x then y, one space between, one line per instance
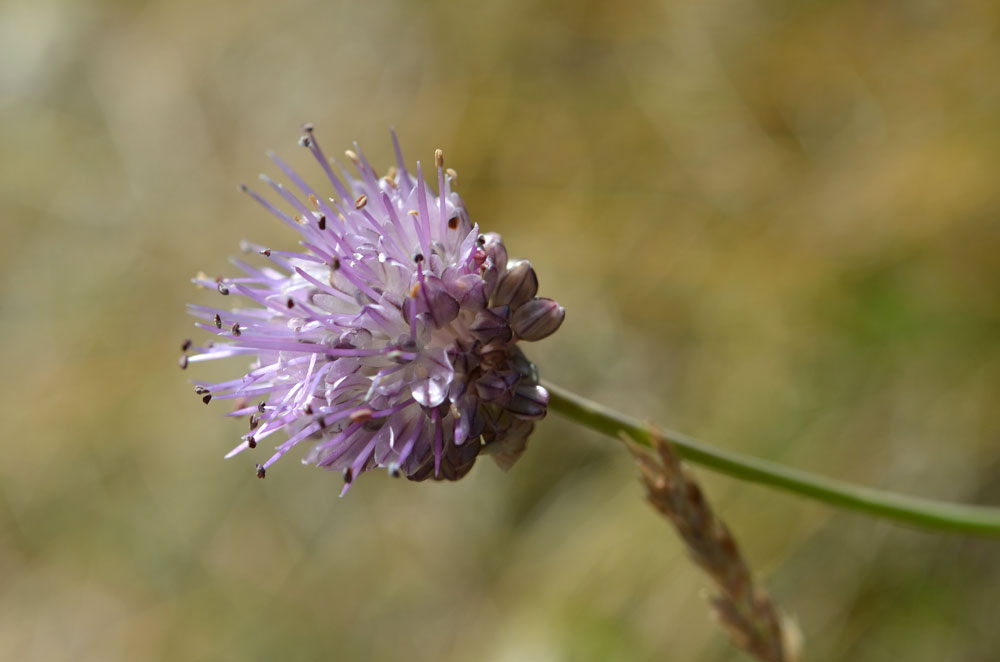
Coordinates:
774 225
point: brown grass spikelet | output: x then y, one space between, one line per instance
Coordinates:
741 607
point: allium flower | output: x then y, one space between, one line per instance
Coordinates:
390 339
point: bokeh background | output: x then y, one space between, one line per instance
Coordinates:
775 225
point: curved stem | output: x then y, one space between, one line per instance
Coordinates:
911 510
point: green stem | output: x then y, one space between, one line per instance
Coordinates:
911 510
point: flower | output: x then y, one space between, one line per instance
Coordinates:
390 338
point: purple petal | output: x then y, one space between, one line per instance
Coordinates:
434 375
492 325
492 386
530 401
470 290
495 249
441 305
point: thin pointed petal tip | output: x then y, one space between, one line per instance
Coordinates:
362 352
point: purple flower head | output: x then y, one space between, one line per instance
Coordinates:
390 338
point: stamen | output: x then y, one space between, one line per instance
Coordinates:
323 162
361 415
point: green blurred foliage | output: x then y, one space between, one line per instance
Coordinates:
774 224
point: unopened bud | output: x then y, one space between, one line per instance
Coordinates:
517 285
537 319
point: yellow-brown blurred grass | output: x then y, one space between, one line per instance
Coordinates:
773 224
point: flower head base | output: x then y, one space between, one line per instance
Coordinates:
390 339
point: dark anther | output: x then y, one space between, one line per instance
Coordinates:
266 252
418 257
305 141
236 328
206 398
200 390
254 421
308 127
251 442
186 345
290 303
308 410
322 221
481 240
223 290
394 471
260 407
261 472
453 222
348 475
335 264
218 321
183 361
